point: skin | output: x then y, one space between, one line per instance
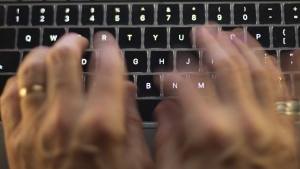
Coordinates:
235 128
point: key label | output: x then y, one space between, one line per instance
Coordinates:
188 62
148 86
295 9
258 36
1 67
161 61
143 9
117 10
129 37
83 62
28 38
155 37
104 38
181 37
135 61
283 32
201 85
53 38
175 85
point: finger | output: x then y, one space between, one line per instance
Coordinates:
64 81
10 106
33 72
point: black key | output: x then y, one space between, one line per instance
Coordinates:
292 13
92 15
117 15
230 28
284 36
28 38
17 15
131 78
42 15
193 14
67 15
269 13
146 108
85 32
51 35
25 53
110 30
171 86
9 61
187 61
219 13
262 34
136 61
161 61
88 62
244 14
2 15
130 37
156 38
3 80
168 14
142 14
289 60
180 38
7 36
146 86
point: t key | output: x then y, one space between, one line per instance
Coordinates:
130 37
219 13
168 14
17 15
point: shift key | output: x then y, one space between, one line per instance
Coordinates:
9 61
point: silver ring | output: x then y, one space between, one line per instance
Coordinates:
34 88
288 108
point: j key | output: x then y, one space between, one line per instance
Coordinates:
9 61
155 37
88 62
136 61
146 109
270 13
110 30
51 35
7 36
244 14
142 14
130 37
168 14
17 15
290 60
219 13
28 38
193 14
117 15
92 15
1 15
3 80
85 32
187 61
67 15
292 13
146 86
42 15
161 61
262 34
284 36
180 38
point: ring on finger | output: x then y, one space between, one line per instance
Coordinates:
31 89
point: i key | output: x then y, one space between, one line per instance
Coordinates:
269 13
117 15
67 15
130 37
28 38
168 14
292 13
244 14
142 14
284 36
42 15
219 13
193 14
92 15
17 15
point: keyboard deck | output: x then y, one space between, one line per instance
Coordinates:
153 36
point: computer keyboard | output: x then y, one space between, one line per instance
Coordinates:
153 36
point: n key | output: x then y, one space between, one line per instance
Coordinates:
51 35
17 15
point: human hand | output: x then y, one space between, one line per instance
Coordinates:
237 125
64 127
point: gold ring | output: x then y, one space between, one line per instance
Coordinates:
34 88
288 108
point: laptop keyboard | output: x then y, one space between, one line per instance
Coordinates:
154 37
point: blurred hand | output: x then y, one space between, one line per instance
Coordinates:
64 127
237 125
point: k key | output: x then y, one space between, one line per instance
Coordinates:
42 15
142 14
17 15
67 15
219 13
270 13
51 35
168 14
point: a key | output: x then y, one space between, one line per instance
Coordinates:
110 30
290 60
9 61
187 61
130 38
51 35
67 15
146 109
244 14
117 15
161 61
3 80
155 37
142 14
269 13
292 13
88 61
28 38
193 14
7 36
284 36
85 32
17 15
136 61
262 34
168 14
92 15
219 13
2 15
180 37
42 15
146 86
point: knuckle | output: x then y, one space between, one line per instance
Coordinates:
59 54
30 68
